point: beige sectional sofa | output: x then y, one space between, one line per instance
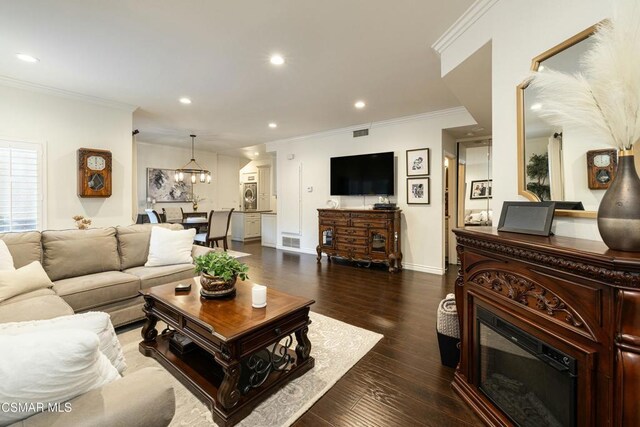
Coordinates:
99 269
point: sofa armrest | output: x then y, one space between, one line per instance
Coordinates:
144 398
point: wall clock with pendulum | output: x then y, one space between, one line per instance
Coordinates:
601 168
94 173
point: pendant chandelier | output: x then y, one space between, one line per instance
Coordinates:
193 168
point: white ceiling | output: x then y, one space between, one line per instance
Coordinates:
149 53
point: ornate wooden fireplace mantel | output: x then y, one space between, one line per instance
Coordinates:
576 295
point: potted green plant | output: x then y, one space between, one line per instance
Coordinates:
218 273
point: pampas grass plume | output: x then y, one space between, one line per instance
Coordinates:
605 98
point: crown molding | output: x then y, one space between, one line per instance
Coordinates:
462 24
371 125
36 87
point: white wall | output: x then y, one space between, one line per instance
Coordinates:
519 31
64 124
422 225
228 182
221 193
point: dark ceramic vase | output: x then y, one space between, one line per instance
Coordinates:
217 287
619 211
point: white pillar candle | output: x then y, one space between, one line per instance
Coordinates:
259 296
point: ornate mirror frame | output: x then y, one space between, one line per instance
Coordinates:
535 63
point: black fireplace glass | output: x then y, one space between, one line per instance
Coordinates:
533 383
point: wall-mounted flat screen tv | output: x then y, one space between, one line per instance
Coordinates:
366 174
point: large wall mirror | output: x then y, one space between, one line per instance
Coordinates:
552 161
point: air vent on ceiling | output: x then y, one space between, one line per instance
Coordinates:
291 242
361 132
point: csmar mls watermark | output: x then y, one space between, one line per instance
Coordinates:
13 407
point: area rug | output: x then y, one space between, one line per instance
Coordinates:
235 254
336 346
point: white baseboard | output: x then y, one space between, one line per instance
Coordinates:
406 266
423 268
297 250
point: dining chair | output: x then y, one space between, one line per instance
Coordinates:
217 231
154 218
173 214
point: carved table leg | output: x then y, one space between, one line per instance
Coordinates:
319 252
228 393
303 349
149 331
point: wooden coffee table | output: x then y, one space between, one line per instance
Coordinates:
241 354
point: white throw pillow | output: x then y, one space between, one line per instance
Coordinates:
95 321
6 260
168 247
49 367
475 217
25 279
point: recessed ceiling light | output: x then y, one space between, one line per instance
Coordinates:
27 58
273 125
276 59
469 133
185 100
256 153
541 68
536 106
360 104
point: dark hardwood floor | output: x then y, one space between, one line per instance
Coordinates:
401 381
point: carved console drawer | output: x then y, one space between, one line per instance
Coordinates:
555 318
361 235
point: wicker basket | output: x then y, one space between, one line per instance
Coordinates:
448 330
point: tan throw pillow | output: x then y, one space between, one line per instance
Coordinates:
25 279
6 260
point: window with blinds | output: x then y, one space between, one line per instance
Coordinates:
20 186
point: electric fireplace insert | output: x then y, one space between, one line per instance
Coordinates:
532 382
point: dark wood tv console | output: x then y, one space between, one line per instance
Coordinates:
361 235
575 295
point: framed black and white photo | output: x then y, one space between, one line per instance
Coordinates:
163 188
480 189
418 191
418 162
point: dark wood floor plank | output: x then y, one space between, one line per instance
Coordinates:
400 381
309 419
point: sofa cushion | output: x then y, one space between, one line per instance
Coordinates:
73 253
46 367
33 306
94 290
133 243
24 247
153 276
29 278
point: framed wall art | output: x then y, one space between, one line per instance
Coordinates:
418 191
162 186
418 162
480 189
